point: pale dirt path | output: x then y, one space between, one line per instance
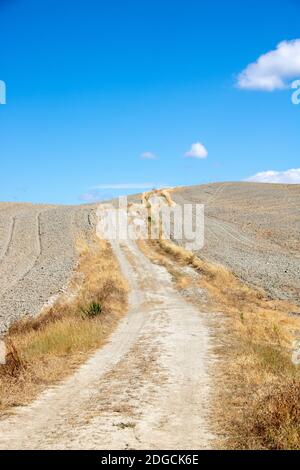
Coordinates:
148 387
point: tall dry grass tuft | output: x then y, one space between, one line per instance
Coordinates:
272 420
46 348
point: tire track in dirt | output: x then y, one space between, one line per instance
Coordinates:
22 252
231 232
38 248
9 228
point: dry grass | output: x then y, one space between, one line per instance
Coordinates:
157 192
257 405
45 349
274 418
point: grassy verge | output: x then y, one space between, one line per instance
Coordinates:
45 349
257 404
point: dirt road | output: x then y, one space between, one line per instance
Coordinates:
148 387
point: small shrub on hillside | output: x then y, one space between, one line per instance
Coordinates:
93 310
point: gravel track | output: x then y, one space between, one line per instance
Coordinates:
37 255
254 230
149 387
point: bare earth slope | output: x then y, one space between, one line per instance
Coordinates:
37 255
251 228
254 229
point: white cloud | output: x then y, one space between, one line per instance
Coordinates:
197 151
148 156
274 70
285 177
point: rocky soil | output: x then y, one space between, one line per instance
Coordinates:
254 230
37 255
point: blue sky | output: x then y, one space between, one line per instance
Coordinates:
93 85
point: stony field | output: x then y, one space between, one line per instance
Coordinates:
37 254
253 229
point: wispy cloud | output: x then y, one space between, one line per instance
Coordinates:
126 186
274 70
197 150
148 156
106 192
95 195
285 177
